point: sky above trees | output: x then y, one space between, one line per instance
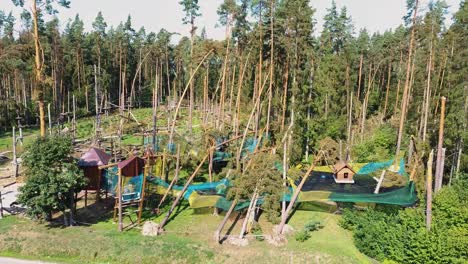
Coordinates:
375 15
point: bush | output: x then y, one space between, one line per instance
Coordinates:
257 231
401 236
302 236
313 226
52 177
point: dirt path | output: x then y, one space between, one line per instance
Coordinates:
20 261
9 195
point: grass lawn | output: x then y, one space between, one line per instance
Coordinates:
188 239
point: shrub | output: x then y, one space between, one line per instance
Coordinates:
313 226
257 231
401 236
52 177
302 236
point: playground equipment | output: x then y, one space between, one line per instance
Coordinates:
90 162
319 186
126 180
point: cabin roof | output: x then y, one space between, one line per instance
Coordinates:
341 165
94 157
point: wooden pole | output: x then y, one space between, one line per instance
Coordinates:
429 191
74 118
1 203
15 160
439 165
50 119
142 198
120 199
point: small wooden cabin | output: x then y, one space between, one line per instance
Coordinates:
90 162
343 173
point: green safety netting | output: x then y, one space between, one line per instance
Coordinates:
322 186
131 186
319 186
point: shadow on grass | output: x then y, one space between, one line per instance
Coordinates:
231 227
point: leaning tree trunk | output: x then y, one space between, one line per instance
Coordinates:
284 216
406 87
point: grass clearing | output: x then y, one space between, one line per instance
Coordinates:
188 239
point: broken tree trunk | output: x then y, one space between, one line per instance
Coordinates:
429 191
439 165
247 215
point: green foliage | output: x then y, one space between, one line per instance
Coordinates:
261 177
378 146
257 231
313 226
302 236
309 227
52 177
401 236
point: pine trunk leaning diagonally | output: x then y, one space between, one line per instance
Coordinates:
284 217
407 83
225 219
171 135
181 194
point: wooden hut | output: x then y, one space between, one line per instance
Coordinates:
132 174
343 173
90 162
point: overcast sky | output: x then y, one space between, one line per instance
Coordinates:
375 15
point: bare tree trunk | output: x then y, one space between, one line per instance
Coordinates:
226 218
439 163
429 191
428 90
247 215
359 77
239 94
171 135
406 88
388 88
284 217
38 69
174 204
272 68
